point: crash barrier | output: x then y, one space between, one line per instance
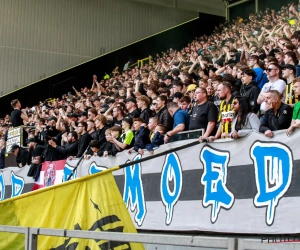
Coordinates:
245 186
154 240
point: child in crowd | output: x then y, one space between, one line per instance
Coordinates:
108 147
126 140
142 135
94 149
158 138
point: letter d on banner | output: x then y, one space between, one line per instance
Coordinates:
273 164
133 191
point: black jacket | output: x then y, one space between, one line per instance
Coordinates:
251 91
22 157
109 147
141 138
70 149
83 143
146 114
281 120
101 134
165 118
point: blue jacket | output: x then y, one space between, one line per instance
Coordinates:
157 140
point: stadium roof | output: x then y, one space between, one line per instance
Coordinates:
215 7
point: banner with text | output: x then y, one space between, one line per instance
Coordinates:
248 185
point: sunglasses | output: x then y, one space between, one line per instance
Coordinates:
235 103
154 104
269 69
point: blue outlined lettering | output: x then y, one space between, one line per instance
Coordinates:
171 172
2 187
17 184
273 164
214 178
133 191
67 171
94 168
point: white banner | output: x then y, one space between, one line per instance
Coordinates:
249 185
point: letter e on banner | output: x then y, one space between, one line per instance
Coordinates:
214 178
133 190
273 164
171 172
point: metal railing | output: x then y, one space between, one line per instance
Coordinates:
32 234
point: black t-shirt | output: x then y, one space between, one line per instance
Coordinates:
15 118
202 114
134 114
117 122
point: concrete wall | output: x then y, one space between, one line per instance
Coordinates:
39 38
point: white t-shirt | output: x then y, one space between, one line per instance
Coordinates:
278 85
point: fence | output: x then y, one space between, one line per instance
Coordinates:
197 242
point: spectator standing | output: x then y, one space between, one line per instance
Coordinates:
101 126
224 93
260 77
131 107
91 130
84 139
291 58
244 121
278 115
162 112
204 114
142 135
143 103
126 140
70 149
181 121
17 116
118 116
250 89
288 73
273 72
21 155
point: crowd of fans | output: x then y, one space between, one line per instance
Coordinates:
241 78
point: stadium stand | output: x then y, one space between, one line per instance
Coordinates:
198 87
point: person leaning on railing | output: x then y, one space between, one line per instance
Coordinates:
244 121
278 115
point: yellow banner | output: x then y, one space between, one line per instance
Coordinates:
90 203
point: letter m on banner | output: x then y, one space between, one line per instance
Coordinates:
133 191
273 164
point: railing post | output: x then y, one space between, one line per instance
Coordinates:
33 238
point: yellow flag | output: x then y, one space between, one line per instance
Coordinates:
90 203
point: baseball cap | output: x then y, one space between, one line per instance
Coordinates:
14 147
191 87
128 120
131 99
289 66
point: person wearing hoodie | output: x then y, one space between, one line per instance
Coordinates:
250 89
142 135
